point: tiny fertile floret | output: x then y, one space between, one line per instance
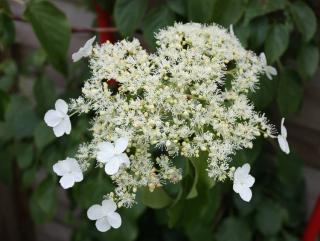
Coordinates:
188 97
187 100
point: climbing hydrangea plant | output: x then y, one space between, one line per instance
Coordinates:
189 98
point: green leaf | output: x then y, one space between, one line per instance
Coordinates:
277 42
5 166
234 229
45 195
20 117
258 8
245 208
43 136
5 132
4 6
290 93
25 155
44 93
28 176
51 155
290 168
248 155
7 30
290 237
243 33
200 177
228 12
128 15
304 18
9 72
4 100
200 233
207 202
178 6
34 63
200 10
269 218
92 189
52 29
127 232
266 93
43 201
260 28
308 60
156 199
156 19
135 212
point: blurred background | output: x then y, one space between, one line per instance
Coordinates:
37 38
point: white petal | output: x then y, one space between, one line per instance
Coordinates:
231 30
67 181
67 125
271 70
84 51
59 130
77 56
95 212
112 167
263 58
114 219
246 168
268 75
106 151
284 132
74 165
109 206
60 168
237 174
246 194
102 224
124 159
88 45
121 144
61 106
78 176
52 118
284 146
250 181
236 186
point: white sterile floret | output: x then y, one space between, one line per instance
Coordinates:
113 155
84 51
105 215
269 70
242 181
70 172
58 119
282 138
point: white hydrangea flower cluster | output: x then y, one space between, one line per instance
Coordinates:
188 97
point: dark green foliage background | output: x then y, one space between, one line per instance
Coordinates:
196 209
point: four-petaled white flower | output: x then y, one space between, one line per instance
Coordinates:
70 172
112 155
269 70
282 138
58 119
84 51
242 181
105 215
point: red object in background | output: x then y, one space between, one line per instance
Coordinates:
313 228
103 21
